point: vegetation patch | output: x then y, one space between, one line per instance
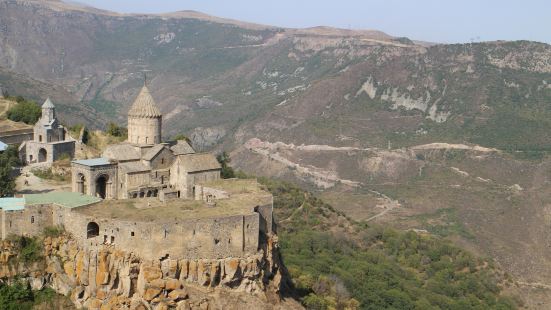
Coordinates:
19 296
53 231
8 160
338 263
26 111
48 174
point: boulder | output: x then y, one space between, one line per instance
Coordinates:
172 284
178 295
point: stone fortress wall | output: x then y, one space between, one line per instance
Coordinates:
194 238
16 136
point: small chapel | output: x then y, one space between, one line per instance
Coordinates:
50 140
143 166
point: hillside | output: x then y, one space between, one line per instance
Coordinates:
448 140
22 85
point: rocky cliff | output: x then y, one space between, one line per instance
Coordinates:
108 278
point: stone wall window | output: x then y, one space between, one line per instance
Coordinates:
112 239
32 219
39 138
131 234
92 230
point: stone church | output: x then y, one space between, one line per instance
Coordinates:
50 139
143 166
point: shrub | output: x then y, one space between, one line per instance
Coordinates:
30 249
227 170
24 111
116 131
48 174
8 160
54 231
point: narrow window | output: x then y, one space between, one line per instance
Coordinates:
216 241
40 138
146 139
10 224
104 238
112 240
32 219
166 233
131 234
162 160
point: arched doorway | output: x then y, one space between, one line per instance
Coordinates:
42 155
81 183
101 186
92 230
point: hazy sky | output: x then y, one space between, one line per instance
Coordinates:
429 20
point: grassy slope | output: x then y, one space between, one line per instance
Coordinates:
379 267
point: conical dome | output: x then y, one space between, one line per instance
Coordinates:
144 106
48 104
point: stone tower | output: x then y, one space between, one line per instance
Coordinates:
48 112
144 120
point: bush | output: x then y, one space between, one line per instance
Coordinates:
8 160
116 131
30 249
48 174
16 297
375 267
53 231
227 170
24 111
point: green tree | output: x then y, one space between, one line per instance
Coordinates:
24 111
116 130
15 297
8 159
227 170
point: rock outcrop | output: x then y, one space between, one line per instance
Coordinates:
108 278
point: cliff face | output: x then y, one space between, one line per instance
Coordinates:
111 279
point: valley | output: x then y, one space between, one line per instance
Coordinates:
449 141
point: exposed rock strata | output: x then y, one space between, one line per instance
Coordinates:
112 279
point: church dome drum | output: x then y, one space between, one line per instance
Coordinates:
144 120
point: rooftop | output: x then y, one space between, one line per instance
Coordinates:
199 162
12 204
65 199
246 195
48 104
144 106
101 161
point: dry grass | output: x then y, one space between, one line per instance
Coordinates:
178 209
99 140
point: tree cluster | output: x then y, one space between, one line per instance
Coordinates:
116 130
352 265
224 160
26 111
8 160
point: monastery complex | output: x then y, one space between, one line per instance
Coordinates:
153 199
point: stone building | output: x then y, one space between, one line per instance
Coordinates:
142 166
228 218
50 140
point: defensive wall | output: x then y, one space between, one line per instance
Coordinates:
232 227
